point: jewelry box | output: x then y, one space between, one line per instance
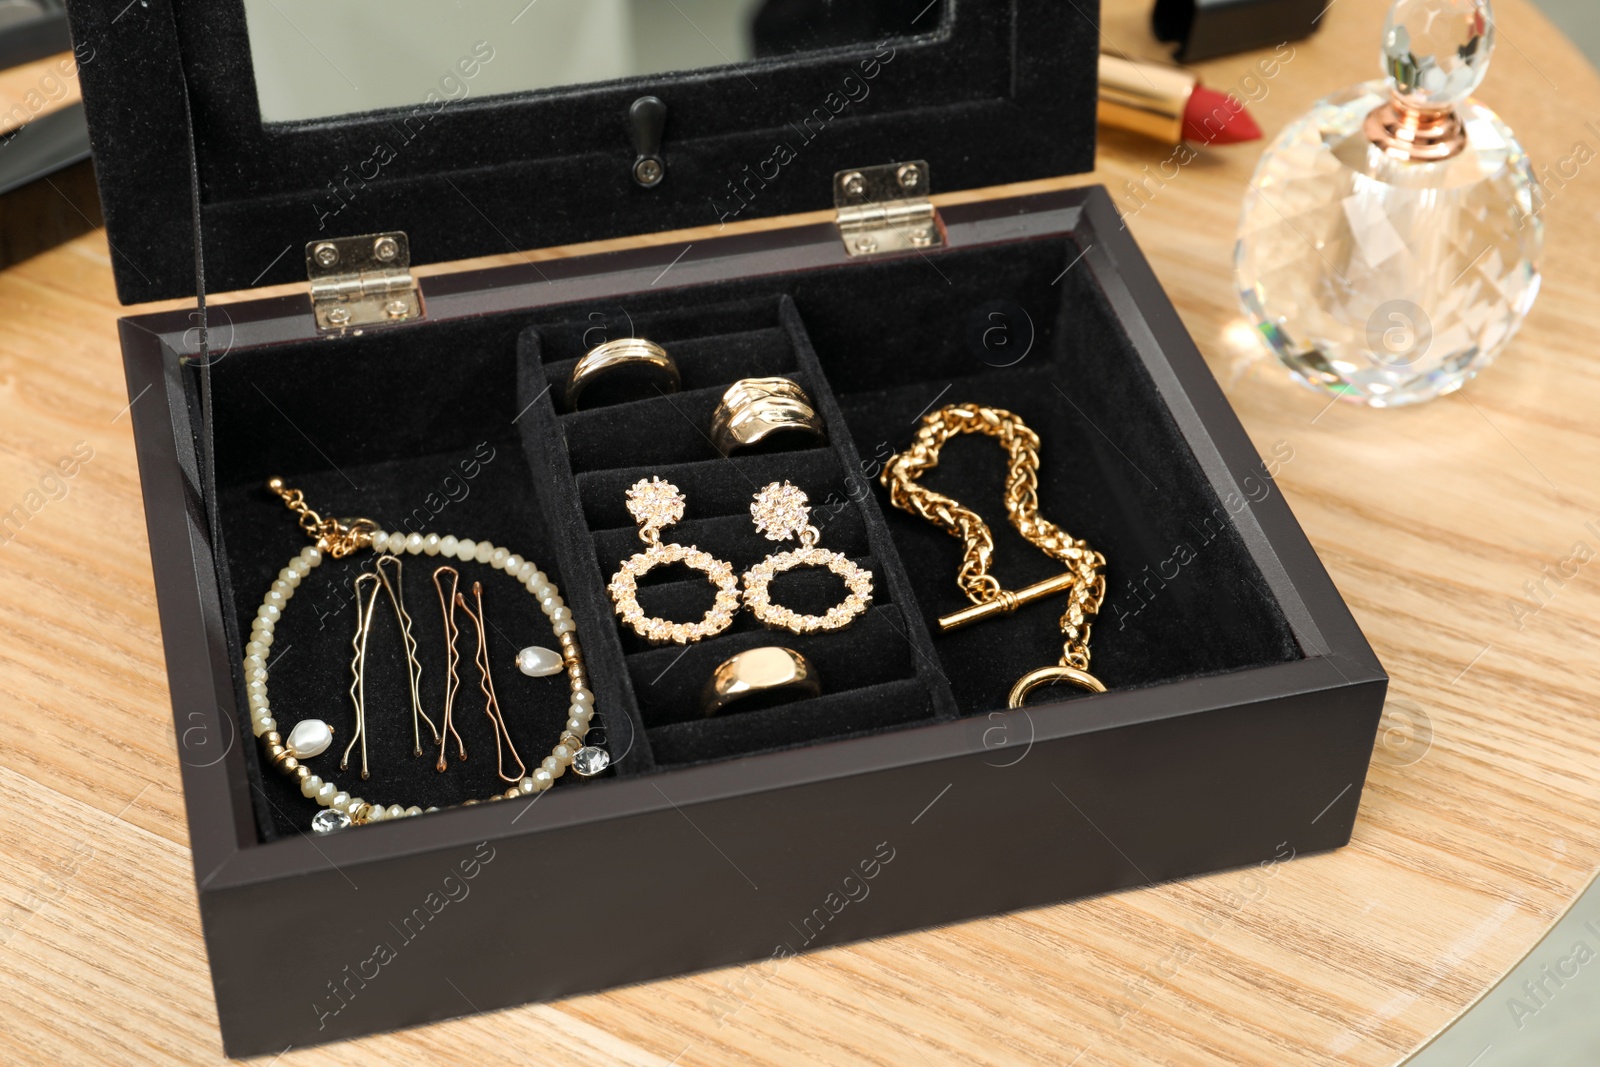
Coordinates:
1242 700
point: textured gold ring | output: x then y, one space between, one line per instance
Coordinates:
755 408
627 353
758 670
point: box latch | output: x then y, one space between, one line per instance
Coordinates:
362 281
886 209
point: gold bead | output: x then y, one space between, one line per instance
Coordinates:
514 792
288 764
302 772
271 737
276 751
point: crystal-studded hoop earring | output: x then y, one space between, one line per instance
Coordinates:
656 504
780 512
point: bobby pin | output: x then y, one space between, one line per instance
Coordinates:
413 664
358 669
491 703
447 607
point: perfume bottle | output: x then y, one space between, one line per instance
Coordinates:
1390 242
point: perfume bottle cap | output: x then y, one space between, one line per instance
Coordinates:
1436 52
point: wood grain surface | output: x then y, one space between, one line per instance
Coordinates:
1480 824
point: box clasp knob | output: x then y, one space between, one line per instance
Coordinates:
647 118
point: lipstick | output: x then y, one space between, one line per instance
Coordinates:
1170 104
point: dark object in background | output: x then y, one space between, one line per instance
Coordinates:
1206 29
784 27
47 190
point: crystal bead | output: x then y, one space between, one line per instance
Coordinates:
590 760
328 820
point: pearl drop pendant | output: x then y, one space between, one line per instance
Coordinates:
537 661
310 737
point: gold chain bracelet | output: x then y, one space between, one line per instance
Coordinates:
1084 578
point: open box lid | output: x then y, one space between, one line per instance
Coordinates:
986 93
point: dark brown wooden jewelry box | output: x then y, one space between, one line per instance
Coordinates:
1243 699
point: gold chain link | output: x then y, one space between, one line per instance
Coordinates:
330 535
1022 509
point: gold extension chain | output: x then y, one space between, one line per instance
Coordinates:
1022 509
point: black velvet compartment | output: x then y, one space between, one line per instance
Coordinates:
455 427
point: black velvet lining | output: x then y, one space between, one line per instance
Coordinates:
454 427
994 93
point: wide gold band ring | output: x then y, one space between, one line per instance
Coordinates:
1050 676
629 354
758 670
755 408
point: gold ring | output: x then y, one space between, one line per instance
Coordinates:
1050 676
758 670
631 353
754 408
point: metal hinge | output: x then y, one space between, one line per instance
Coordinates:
886 209
362 281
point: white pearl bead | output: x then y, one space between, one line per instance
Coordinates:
577 726
582 698
561 752
553 767
274 599
310 737
465 549
377 814
256 648
537 661
326 794
289 576
258 700
542 779
561 614
580 713
541 590
448 544
551 600
513 564
523 572
341 802
309 786
497 560
312 555
483 552
254 661
565 626
396 812
413 810
260 726
430 545
300 567
526 785
414 543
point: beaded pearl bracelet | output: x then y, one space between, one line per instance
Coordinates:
312 737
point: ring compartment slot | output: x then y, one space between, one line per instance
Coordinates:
831 716
592 456
672 678
706 483
680 430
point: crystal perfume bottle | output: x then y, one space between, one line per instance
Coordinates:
1390 242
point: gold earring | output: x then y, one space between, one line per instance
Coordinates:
656 504
781 511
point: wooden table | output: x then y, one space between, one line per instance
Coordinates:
1431 521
